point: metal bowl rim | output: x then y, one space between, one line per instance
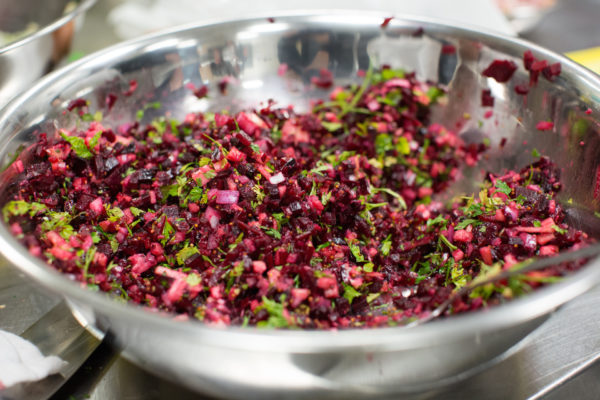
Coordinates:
517 311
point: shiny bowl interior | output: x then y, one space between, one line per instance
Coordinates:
245 362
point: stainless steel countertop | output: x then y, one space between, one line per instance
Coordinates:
556 361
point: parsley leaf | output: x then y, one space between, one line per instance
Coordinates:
193 279
402 146
167 232
444 239
136 211
503 187
393 194
271 232
383 143
355 250
276 318
372 297
559 230
195 194
439 220
386 245
331 126
185 253
78 145
94 140
466 222
20 207
350 293
114 214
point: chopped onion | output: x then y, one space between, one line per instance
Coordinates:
227 196
277 178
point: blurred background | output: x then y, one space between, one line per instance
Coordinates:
561 25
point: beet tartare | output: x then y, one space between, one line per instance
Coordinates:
269 217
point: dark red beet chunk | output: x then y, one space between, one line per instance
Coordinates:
386 22
448 49
521 89
487 100
324 80
133 84
552 71
535 67
110 101
500 70
418 32
201 92
76 104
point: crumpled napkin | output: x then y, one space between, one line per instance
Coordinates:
21 361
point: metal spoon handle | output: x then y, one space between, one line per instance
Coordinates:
537 264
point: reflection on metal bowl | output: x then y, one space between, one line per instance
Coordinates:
36 37
247 362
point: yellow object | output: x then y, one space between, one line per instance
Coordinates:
589 58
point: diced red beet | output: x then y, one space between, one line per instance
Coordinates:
486 255
448 49
544 125
133 84
250 123
521 89
528 59
282 69
463 236
201 92
259 266
97 206
552 71
223 84
110 101
386 22
500 70
298 296
548 250
235 155
324 80
175 292
76 104
487 100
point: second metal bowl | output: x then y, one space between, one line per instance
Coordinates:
247 362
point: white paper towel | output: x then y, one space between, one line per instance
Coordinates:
136 17
21 361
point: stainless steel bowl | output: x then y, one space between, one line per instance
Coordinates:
253 363
47 29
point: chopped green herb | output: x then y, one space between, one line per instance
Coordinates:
331 126
271 232
185 253
503 187
20 207
445 240
355 250
78 145
350 293
383 143
386 246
